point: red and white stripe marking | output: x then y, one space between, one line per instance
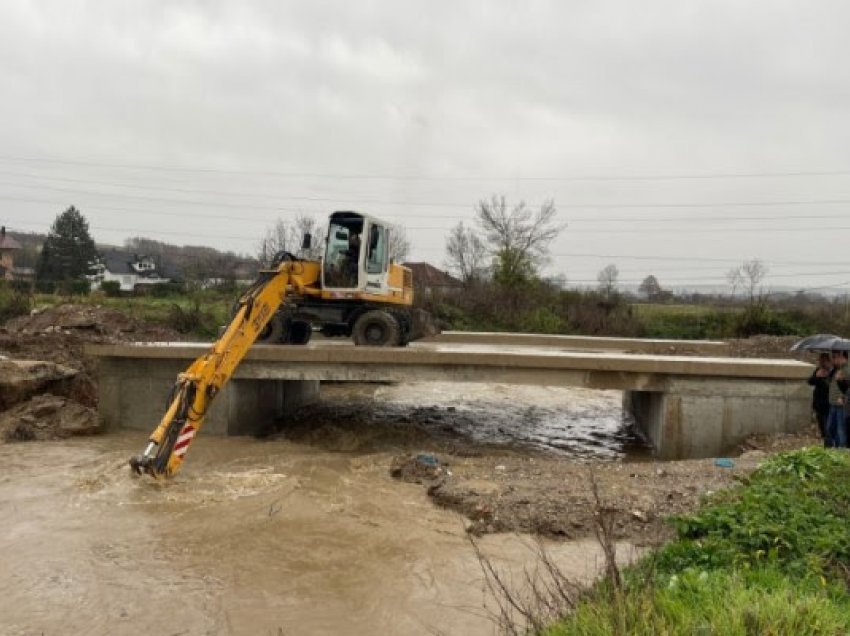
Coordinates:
183 441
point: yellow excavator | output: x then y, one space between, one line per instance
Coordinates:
353 291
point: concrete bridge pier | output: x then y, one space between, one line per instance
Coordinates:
692 418
133 394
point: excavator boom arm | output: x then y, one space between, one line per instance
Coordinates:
196 388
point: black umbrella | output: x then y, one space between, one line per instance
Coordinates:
822 342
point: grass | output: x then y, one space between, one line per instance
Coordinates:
199 314
769 557
727 603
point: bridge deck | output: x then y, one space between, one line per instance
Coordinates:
474 355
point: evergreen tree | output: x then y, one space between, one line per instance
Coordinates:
69 251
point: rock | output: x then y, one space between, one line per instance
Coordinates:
48 417
640 515
753 454
21 379
478 487
420 469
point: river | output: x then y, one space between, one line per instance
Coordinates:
279 536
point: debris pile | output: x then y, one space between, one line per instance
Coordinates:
47 417
47 383
423 468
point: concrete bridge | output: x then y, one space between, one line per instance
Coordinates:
686 406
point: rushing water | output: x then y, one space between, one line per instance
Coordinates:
271 537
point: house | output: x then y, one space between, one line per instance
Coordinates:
8 245
129 270
427 279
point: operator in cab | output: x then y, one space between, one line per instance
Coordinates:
351 263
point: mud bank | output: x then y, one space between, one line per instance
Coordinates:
522 459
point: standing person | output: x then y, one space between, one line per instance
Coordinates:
836 425
819 380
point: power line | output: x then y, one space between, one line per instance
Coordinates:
394 177
575 206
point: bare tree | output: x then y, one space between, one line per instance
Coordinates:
465 253
518 237
748 277
651 288
287 236
399 245
608 280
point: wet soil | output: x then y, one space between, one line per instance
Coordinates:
555 498
474 452
59 334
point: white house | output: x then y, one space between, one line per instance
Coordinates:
128 269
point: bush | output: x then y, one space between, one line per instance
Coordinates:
165 290
192 320
13 303
21 286
45 286
75 287
112 288
759 319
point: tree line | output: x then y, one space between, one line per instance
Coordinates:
505 245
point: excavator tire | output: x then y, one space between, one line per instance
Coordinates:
376 328
300 332
273 331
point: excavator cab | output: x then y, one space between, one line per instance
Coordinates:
356 254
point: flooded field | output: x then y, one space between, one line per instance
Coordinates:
305 534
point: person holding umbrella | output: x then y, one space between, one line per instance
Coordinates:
836 426
819 380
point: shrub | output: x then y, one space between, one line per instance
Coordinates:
74 287
112 288
13 303
45 286
794 513
192 320
21 286
165 290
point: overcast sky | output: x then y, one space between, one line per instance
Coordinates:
676 138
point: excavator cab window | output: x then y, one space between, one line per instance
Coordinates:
342 255
376 256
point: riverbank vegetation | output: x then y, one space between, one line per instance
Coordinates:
541 307
771 556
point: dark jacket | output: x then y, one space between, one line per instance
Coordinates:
820 395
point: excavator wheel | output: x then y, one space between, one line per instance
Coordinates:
376 328
273 332
300 332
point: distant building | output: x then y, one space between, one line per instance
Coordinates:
8 246
129 270
427 279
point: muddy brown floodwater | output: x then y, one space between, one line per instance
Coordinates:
266 537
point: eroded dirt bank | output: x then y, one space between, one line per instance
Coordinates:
523 459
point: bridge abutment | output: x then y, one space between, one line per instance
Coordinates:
133 395
693 418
